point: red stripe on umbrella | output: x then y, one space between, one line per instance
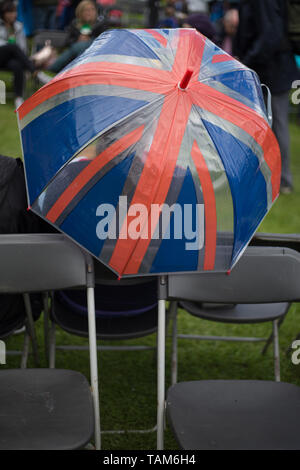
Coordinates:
159 37
133 76
221 58
245 118
154 184
92 169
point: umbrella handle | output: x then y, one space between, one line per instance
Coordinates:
269 105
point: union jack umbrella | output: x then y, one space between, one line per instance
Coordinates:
152 150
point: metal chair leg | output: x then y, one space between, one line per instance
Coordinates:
276 351
174 308
270 339
25 352
161 373
52 341
94 364
46 323
31 328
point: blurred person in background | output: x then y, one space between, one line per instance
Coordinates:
226 30
216 10
262 45
197 6
64 13
81 33
202 23
44 14
13 50
11 30
169 20
25 16
153 13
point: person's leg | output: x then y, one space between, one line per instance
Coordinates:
280 109
12 51
68 55
16 67
79 47
62 60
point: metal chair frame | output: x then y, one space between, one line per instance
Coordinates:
263 275
47 262
105 277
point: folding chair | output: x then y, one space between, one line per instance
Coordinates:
235 414
121 314
232 314
42 408
240 313
57 38
288 240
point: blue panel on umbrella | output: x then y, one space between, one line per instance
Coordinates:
76 122
247 184
242 82
185 260
122 43
106 191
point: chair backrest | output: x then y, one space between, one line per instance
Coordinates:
287 240
262 275
42 262
56 37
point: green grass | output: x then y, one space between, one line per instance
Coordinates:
128 379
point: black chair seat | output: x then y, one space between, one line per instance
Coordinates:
239 313
112 328
239 415
45 409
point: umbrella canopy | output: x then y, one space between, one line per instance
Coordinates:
152 150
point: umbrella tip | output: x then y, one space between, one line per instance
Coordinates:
119 278
185 79
228 272
28 208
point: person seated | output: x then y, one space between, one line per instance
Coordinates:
13 50
81 33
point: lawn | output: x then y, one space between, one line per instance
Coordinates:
128 379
